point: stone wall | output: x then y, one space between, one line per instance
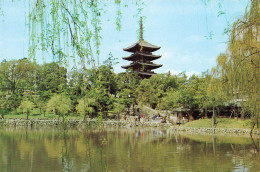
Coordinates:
81 123
76 123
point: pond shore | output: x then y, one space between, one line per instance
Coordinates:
122 123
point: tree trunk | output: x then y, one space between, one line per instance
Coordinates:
242 114
253 126
206 112
257 123
84 117
27 116
213 117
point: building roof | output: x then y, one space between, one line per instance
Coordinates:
142 45
145 74
140 64
138 55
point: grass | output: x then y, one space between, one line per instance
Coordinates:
41 116
221 123
35 114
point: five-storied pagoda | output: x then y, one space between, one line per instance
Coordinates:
142 57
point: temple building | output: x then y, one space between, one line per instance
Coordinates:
142 57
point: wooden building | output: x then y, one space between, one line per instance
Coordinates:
142 57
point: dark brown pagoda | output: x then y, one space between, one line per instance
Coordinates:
142 56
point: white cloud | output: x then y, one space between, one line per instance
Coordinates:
175 55
178 60
176 72
173 71
190 73
167 55
168 52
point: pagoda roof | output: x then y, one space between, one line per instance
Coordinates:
148 65
137 55
146 74
146 46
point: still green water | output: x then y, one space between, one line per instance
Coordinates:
122 150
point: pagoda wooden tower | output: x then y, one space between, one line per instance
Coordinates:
142 57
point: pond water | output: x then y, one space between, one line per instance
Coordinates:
113 149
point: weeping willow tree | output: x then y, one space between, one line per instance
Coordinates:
239 66
70 28
217 91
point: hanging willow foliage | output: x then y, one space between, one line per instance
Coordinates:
239 66
69 29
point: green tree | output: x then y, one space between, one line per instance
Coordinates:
118 109
27 106
237 70
217 96
151 91
40 104
201 96
103 88
77 86
243 59
17 75
52 79
13 101
170 100
3 104
128 80
85 106
59 104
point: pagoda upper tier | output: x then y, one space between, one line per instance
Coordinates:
141 66
136 56
142 46
142 58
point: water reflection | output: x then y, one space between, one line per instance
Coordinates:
124 150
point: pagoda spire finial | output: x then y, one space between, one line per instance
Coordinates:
141 28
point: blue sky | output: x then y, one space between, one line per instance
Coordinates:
180 27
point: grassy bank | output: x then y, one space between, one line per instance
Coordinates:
37 114
41 116
221 123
